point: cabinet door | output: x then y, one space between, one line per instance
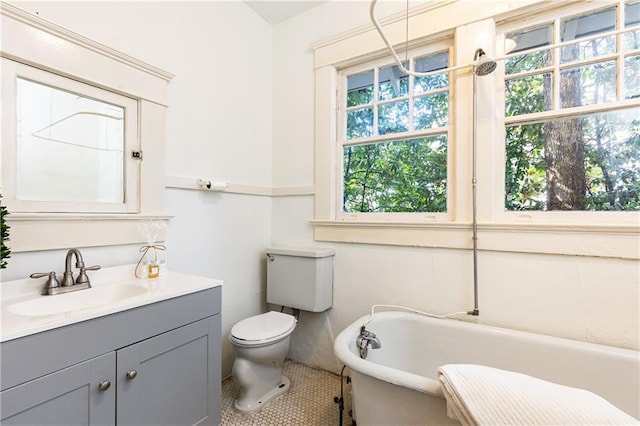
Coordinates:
171 379
71 396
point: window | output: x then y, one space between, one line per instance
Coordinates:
382 151
394 135
572 117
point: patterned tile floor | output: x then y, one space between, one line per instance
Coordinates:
308 402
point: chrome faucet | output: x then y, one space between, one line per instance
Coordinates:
53 286
67 277
366 339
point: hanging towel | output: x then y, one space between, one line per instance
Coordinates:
480 395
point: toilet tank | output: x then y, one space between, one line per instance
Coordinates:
300 278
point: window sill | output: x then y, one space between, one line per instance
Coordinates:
50 231
612 241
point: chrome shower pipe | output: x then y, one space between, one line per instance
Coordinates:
396 58
482 66
474 182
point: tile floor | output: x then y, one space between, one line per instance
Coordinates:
309 401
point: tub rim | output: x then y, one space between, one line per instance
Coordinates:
346 338
342 350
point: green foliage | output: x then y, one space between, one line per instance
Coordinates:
361 96
632 76
4 231
612 164
399 176
611 140
525 168
613 169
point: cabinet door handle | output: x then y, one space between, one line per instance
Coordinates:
132 374
104 385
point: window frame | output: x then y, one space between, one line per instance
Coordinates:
554 18
425 49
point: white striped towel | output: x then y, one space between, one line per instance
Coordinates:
480 395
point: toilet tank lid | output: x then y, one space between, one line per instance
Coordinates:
301 252
263 326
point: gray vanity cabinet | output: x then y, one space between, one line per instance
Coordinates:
164 380
154 365
71 396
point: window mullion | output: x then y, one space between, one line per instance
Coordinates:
556 57
341 109
376 82
394 100
620 52
577 111
397 136
411 97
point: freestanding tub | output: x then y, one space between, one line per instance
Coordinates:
397 384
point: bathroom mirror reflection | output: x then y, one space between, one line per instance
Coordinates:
70 148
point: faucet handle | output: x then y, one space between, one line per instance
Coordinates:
51 282
82 275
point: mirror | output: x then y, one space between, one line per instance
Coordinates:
69 148
67 145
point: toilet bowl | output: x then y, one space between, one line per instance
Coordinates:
260 343
300 279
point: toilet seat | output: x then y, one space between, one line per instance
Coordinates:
262 329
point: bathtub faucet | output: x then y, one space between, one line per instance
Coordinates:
365 339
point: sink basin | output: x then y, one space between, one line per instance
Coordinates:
81 299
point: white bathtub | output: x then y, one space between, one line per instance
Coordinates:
397 384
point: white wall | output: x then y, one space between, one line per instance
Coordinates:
212 47
218 127
224 236
583 298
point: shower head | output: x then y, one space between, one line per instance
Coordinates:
483 64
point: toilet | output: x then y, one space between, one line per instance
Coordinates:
299 279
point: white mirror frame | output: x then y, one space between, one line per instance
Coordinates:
31 40
11 72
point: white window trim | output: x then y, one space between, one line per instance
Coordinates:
34 41
625 220
472 29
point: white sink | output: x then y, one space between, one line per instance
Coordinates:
81 299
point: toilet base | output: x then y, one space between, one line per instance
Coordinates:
249 407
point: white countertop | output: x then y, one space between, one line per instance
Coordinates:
173 284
